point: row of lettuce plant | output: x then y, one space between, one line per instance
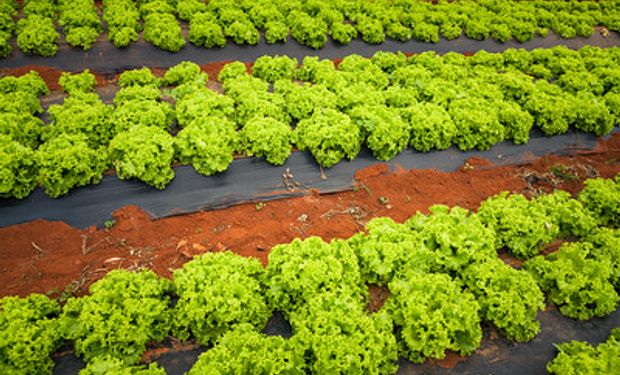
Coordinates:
442 271
310 23
386 103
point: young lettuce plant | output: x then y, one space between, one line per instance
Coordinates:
267 137
338 336
432 314
30 334
67 161
385 131
244 348
330 136
578 280
18 169
108 364
144 153
513 310
219 292
208 144
576 357
123 313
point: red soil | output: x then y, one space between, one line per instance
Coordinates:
42 256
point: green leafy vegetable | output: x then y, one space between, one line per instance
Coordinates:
145 153
217 293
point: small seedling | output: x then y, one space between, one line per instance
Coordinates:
563 172
384 200
260 206
108 224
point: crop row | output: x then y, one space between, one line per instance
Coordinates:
311 23
386 103
442 271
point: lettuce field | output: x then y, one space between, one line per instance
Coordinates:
309 187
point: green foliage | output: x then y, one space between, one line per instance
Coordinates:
432 314
267 137
107 364
217 293
516 121
606 244
385 131
385 249
244 351
138 77
522 226
204 31
124 311
342 33
431 127
145 113
77 83
181 73
145 153
551 109
477 123
568 214
508 297
303 101
18 169
338 337
308 30
67 161
202 102
163 31
577 279
188 8
592 115
242 33
207 143
37 35
122 18
81 113
330 136
602 198
276 31
455 237
273 68
80 22
30 334
232 70
23 128
301 270
577 357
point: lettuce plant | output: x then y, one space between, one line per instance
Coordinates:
601 197
431 127
123 313
273 68
509 298
267 137
432 313
339 337
576 357
330 136
144 153
385 131
219 292
520 225
208 144
577 279
244 350
301 270
30 333
67 161
108 364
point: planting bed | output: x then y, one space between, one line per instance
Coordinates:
424 197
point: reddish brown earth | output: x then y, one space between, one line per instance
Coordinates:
42 256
